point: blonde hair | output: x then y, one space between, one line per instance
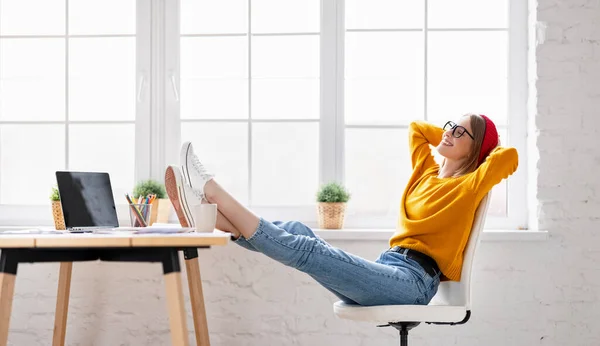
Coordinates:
478 130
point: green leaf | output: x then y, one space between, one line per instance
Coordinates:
149 187
333 193
55 196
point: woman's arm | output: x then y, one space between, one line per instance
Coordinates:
500 163
420 136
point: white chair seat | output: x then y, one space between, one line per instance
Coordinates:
451 304
383 314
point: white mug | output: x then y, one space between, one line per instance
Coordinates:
205 217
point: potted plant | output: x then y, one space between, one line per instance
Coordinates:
57 214
161 206
332 198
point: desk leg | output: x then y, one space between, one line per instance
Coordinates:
62 303
177 317
8 273
7 290
197 299
175 303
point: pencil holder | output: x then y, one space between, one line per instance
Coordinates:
57 214
161 209
139 214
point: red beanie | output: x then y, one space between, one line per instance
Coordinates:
490 139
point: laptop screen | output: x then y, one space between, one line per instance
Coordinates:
87 199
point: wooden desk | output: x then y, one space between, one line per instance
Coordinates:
68 248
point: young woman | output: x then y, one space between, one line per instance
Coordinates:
436 214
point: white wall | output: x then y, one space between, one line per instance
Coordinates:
537 293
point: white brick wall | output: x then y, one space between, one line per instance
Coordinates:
536 293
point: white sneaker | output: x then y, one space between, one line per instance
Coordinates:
193 170
182 196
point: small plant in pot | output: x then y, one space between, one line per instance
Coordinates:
161 206
57 214
332 198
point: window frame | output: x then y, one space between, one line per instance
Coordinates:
516 127
332 126
158 130
41 215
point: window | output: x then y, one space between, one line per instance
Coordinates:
253 81
431 60
250 95
67 98
276 95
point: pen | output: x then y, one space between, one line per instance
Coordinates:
136 211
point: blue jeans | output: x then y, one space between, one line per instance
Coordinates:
392 279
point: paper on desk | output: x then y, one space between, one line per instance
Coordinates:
144 230
166 225
32 231
164 230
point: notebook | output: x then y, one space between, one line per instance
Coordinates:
87 200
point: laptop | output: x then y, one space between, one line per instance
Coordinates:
87 201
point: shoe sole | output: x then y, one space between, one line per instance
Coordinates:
185 149
176 193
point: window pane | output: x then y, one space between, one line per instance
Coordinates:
498 203
463 80
32 79
384 14
214 99
285 98
285 56
105 148
102 78
377 169
384 77
277 16
468 14
32 17
214 57
223 148
214 78
285 163
214 16
89 17
382 101
30 155
384 54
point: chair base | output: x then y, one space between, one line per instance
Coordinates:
403 328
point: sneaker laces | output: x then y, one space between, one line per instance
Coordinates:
198 166
198 194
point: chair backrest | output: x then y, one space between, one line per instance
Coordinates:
458 293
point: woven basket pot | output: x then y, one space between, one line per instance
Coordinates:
331 215
57 214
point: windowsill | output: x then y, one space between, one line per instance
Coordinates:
385 234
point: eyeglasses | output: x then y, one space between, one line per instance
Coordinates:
457 130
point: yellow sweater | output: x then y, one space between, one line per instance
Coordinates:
436 214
